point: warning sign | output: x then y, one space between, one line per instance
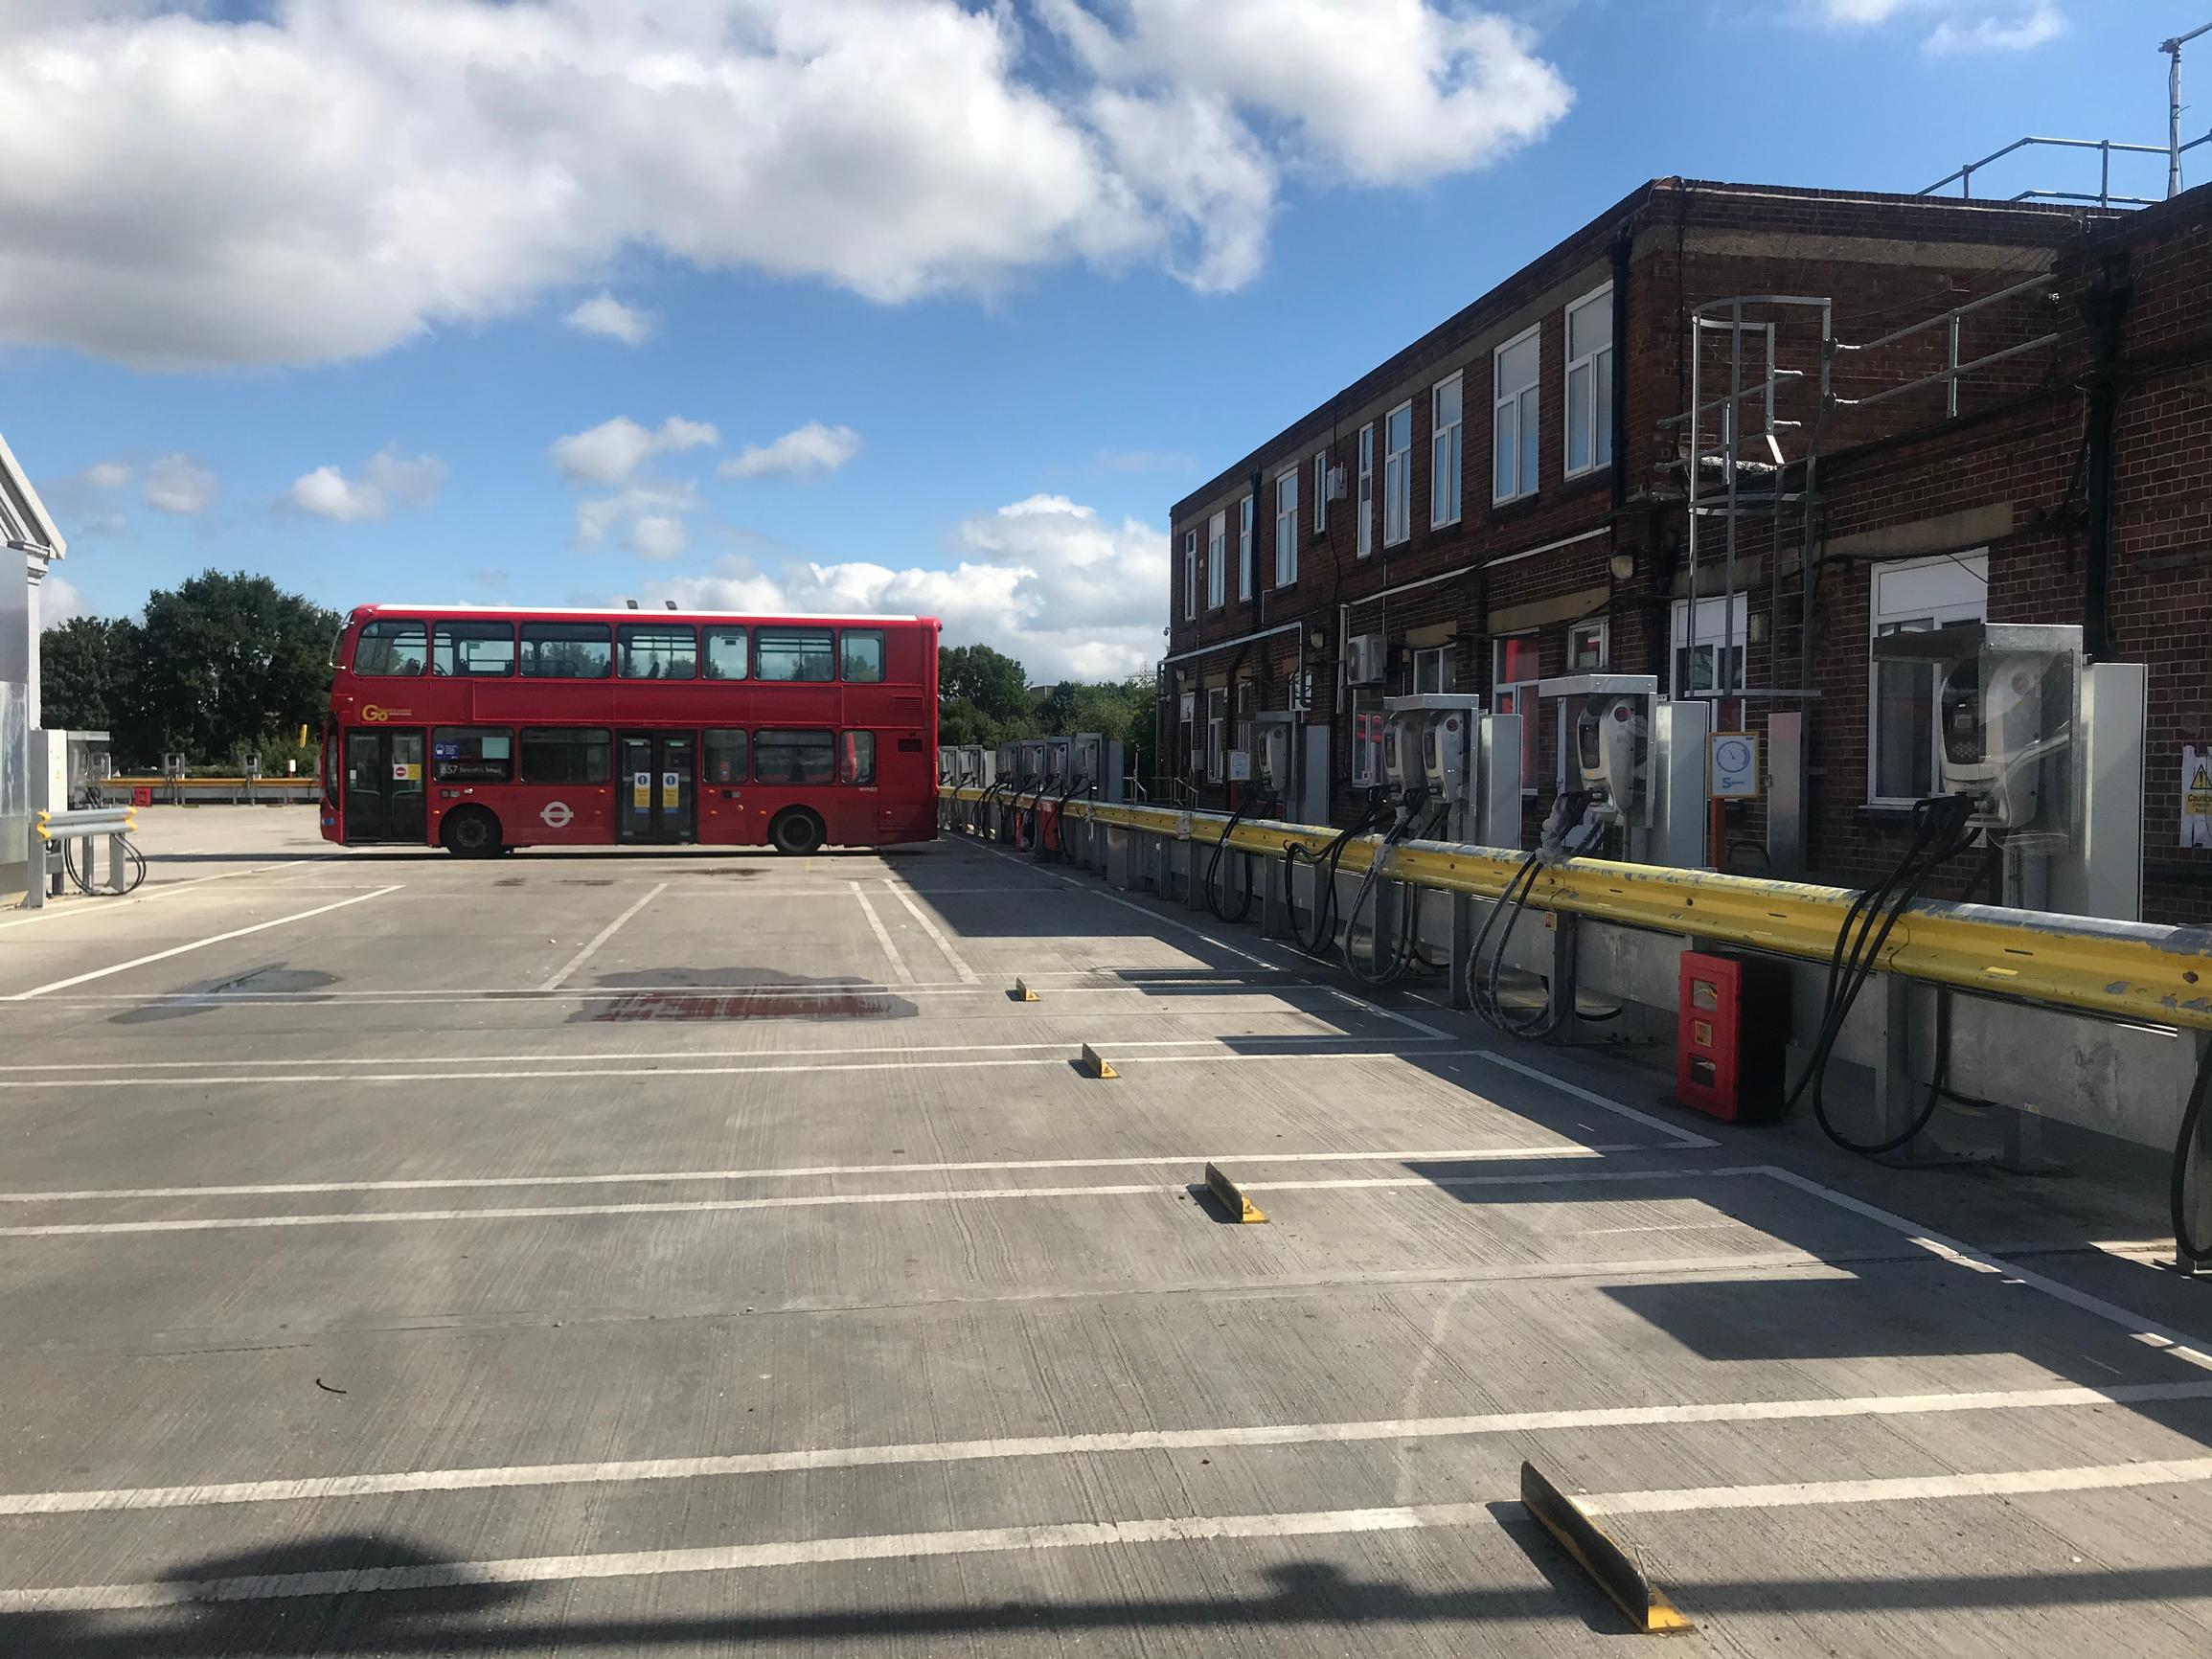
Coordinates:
2196 797
641 792
670 782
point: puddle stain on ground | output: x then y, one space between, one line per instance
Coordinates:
733 993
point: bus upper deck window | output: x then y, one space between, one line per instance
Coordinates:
725 656
388 646
659 651
797 654
567 651
473 648
861 650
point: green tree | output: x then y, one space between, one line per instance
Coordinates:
990 680
84 673
226 663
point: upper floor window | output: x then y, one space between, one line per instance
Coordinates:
567 651
796 654
725 653
1244 548
1190 576
1365 514
1321 492
1397 475
658 651
1444 453
1287 528
860 656
1218 560
466 648
1590 382
1517 366
1432 669
390 646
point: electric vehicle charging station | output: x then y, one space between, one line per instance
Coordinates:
1292 764
1640 760
2050 749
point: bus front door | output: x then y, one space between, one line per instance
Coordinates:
656 786
384 797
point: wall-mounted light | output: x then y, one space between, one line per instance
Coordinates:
1755 628
1315 638
1623 565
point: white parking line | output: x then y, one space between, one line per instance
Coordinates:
110 906
1061 1055
2006 1483
599 938
968 975
199 944
792 1172
884 936
1681 1136
318 1487
1049 1536
800 1201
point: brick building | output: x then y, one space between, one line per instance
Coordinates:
1516 492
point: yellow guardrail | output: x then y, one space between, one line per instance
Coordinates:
44 828
2126 970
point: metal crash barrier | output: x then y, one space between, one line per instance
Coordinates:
2099 1025
88 829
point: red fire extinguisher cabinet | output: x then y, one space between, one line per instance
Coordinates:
1731 1049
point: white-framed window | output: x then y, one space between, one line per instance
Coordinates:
1217 561
1397 475
1517 368
1512 692
1712 660
1901 727
1190 576
1432 669
1587 646
1443 452
1366 535
1244 548
1589 383
1287 528
1321 492
1216 732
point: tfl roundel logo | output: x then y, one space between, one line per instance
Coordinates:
556 815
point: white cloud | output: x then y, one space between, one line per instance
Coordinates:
180 484
328 178
389 478
1960 26
649 519
108 474
607 316
1046 579
610 452
806 450
59 601
2020 33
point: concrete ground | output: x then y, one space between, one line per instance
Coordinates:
700 1253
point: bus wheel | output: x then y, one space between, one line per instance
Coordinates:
795 832
472 833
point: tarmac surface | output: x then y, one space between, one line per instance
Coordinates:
699 1251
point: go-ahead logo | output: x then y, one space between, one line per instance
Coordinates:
377 716
556 815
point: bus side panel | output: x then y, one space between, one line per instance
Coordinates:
535 814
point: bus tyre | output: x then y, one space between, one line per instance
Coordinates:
796 831
472 833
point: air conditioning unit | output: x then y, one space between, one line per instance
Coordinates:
1335 483
1365 660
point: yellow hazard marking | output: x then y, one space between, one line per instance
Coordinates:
1610 1567
1022 991
1094 1063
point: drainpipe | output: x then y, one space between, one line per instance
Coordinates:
2104 307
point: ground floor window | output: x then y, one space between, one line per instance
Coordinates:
1709 646
1512 692
1432 669
1900 731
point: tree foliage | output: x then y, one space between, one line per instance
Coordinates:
221 665
984 697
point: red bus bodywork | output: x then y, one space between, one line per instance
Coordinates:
482 729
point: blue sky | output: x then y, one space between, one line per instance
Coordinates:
929 306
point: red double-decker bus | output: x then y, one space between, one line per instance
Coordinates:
481 730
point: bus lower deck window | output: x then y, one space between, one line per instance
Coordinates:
566 755
784 757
